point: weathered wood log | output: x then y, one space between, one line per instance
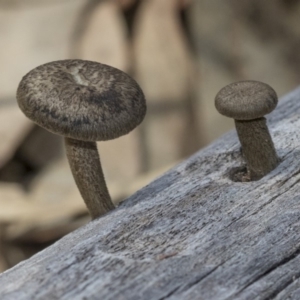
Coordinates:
191 234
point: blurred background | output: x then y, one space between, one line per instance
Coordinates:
181 52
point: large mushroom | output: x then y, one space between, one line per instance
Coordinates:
85 102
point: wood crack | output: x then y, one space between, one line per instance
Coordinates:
280 287
190 284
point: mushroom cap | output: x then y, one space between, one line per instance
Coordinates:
246 100
82 100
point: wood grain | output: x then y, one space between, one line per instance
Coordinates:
191 234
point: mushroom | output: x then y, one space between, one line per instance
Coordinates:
247 102
85 102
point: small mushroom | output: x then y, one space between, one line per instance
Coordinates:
85 102
247 102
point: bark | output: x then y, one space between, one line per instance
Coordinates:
191 234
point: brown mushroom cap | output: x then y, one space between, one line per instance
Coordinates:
81 99
246 100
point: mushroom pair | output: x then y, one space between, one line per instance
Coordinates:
247 102
85 102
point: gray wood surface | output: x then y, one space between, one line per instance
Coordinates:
191 234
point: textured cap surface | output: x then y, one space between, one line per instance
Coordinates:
82 100
246 100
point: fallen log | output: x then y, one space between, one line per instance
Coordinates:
191 234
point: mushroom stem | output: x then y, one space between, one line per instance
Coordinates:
257 146
87 171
